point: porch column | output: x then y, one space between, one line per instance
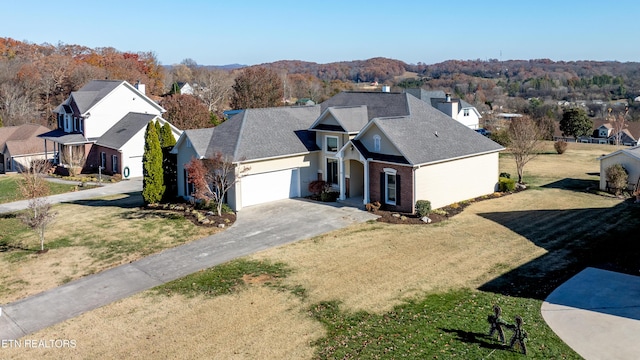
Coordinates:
341 178
365 196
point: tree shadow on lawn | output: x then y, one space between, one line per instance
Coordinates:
127 201
578 185
604 238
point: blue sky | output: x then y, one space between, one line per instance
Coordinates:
252 32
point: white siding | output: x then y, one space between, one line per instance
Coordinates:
453 181
121 101
275 185
630 163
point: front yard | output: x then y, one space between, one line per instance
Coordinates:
373 290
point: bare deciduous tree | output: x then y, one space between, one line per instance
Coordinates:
212 178
619 123
526 140
214 88
74 157
34 187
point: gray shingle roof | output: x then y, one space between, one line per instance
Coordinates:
123 130
379 104
94 91
351 118
22 139
199 139
428 135
62 137
265 133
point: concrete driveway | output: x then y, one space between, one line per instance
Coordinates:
257 228
597 313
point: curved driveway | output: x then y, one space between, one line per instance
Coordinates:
256 228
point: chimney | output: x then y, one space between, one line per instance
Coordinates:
386 88
447 98
140 87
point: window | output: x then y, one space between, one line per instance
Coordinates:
81 125
114 164
390 186
103 160
60 121
332 171
465 112
189 188
376 143
188 143
332 144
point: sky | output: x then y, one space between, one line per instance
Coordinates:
250 32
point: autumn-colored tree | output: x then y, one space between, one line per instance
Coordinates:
34 187
220 172
153 179
525 142
186 112
257 87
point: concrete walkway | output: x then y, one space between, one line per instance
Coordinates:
121 187
597 313
257 228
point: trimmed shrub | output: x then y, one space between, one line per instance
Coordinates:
505 175
617 178
506 184
560 146
317 186
423 207
329 196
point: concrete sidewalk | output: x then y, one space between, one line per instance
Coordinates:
257 228
597 313
121 187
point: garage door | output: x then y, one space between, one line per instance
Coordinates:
265 187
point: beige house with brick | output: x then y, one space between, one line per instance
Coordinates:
367 146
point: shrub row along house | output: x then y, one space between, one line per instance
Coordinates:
102 125
388 147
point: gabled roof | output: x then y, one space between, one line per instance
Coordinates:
350 119
120 133
96 90
265 133
633 152
22 139
379 104
199 139
428 135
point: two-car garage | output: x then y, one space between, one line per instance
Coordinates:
269 186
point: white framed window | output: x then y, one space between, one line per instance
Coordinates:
103 160
331 144
76 126
114 164
465 112
390 186
332 171
376 143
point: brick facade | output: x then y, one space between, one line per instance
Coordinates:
404 187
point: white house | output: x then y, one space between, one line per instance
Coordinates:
386 147
457 109
102 125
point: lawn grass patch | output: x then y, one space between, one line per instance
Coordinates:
9 188
227 278
447 325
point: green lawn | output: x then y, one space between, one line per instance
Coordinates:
9 188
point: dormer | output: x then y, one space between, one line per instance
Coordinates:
604 131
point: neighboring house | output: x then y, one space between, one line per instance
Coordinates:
184 88
103 125
458 109
19 145
605 133
628 158
387 147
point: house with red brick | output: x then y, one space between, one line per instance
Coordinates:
367 146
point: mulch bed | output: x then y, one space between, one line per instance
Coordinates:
199 217
394 217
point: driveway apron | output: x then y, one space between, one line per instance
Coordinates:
256 228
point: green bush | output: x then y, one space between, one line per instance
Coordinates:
329 196
505 175
423 207
501 137
506 184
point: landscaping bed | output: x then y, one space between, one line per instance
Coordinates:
198 216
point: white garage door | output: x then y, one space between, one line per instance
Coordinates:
265 187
